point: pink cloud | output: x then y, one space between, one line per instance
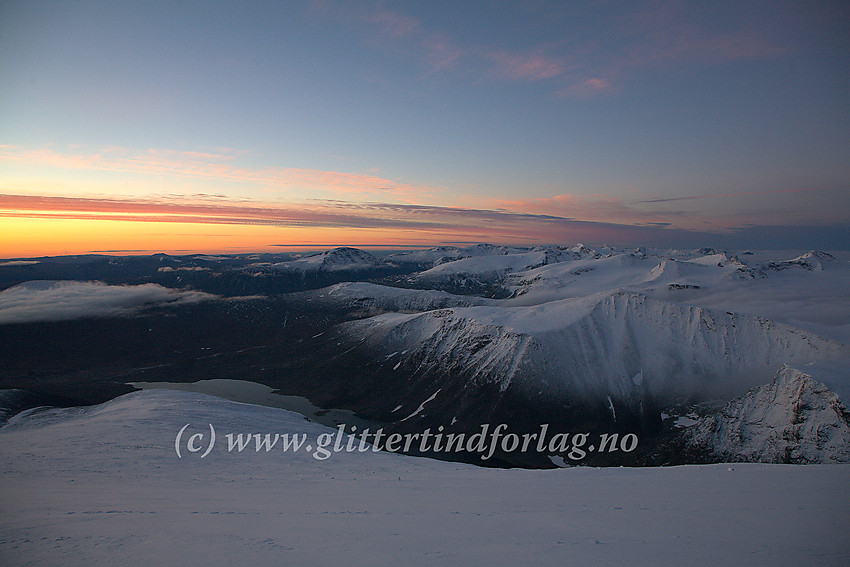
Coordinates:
533 66
440 52
406 37
588 87
395 25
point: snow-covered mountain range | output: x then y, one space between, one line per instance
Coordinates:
633 333
600 338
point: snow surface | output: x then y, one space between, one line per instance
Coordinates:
103 486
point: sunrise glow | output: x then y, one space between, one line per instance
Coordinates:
229 128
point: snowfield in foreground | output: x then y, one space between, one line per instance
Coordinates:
104 486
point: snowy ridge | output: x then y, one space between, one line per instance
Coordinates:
707 270
493 262
717 259
794 419
640 273
582 251
577 278
594 345
362 294
812 299
492 266
440 339
433 256
444 254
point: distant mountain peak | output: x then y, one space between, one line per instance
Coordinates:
336 259
345 255
813 261
584 251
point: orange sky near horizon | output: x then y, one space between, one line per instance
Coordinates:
35 237
33 226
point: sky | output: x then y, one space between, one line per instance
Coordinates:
141 127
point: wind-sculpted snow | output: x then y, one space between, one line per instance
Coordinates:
794 419
595 346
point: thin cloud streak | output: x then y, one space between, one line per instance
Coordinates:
317 214
738 194
596 208
791 206
423 223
